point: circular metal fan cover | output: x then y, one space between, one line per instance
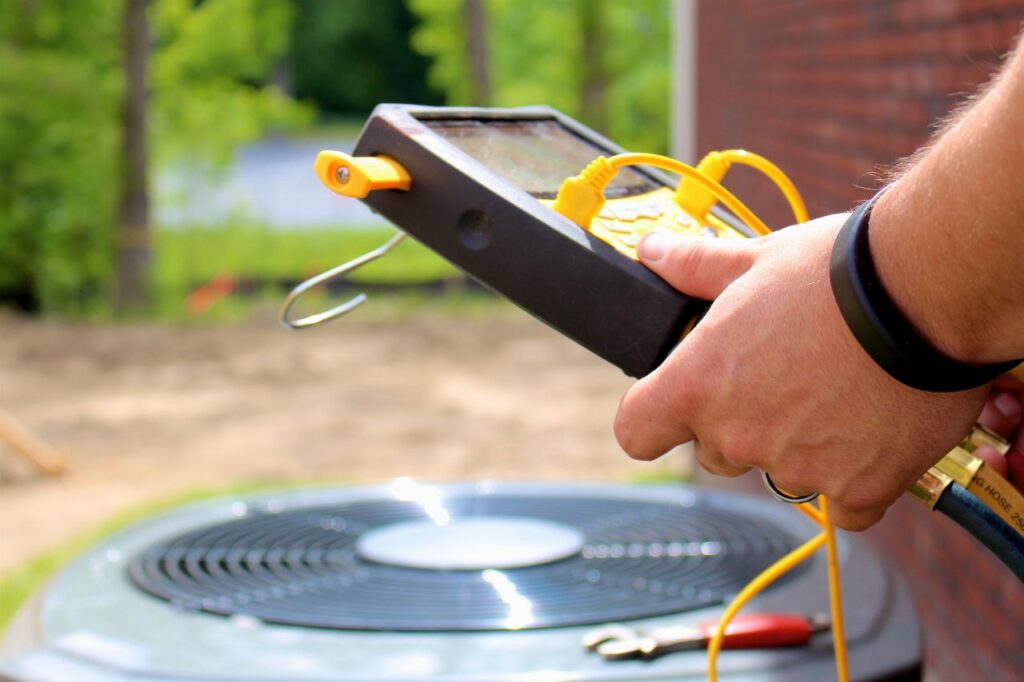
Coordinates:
303 566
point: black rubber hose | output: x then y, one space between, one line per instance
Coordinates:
983 523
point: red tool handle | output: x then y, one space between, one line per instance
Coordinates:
762 630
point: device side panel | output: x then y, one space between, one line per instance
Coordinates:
614 307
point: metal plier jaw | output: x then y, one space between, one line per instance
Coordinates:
618 642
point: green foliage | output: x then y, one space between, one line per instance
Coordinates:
211 63
442 37
638 61
349 56
536 57
61 77
535 50
58 142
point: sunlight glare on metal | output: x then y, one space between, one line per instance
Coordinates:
428 497
520 609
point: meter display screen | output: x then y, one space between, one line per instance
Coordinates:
534 155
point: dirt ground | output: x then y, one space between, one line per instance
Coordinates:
150 410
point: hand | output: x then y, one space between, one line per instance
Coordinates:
1002 415
772 378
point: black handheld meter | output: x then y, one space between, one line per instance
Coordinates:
477 186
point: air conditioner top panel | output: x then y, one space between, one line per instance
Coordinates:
96 618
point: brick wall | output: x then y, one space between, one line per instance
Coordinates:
831 90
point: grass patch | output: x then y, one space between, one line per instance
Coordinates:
17 585
660 476
190 256
259 257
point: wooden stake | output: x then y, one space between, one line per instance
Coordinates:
46 458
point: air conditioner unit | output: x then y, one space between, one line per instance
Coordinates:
475 581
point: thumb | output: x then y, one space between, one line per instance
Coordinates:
698 266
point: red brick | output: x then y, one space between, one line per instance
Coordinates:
883 145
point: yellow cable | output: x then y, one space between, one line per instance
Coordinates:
766 578
720 162
835 596
812 513
725 196
779 568
580 198
774 173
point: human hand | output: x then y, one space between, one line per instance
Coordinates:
772 379
1002 415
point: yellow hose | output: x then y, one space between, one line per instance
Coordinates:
766 578
680 168
828 538
579 199
774 173
835 596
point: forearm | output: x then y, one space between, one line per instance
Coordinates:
948 237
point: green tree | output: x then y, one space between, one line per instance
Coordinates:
59 75
212 70
132 256
638 64
474 21
349 56
441 36
536 53
62 83
603 61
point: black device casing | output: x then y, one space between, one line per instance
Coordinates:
520 248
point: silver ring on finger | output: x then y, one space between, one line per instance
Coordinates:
783 496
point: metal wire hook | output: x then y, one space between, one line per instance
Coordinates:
324 277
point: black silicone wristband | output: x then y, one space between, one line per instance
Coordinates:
882 329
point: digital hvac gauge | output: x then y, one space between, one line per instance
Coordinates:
477 186
548 213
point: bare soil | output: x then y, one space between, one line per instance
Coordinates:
150 410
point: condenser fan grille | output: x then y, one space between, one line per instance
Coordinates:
302 566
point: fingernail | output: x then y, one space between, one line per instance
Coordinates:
1008 405
656 244
992 459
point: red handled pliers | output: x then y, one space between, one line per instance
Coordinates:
753 631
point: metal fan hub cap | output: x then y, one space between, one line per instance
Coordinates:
470 543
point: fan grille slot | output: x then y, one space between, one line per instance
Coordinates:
300 566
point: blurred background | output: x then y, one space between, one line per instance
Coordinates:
157 201
150 148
